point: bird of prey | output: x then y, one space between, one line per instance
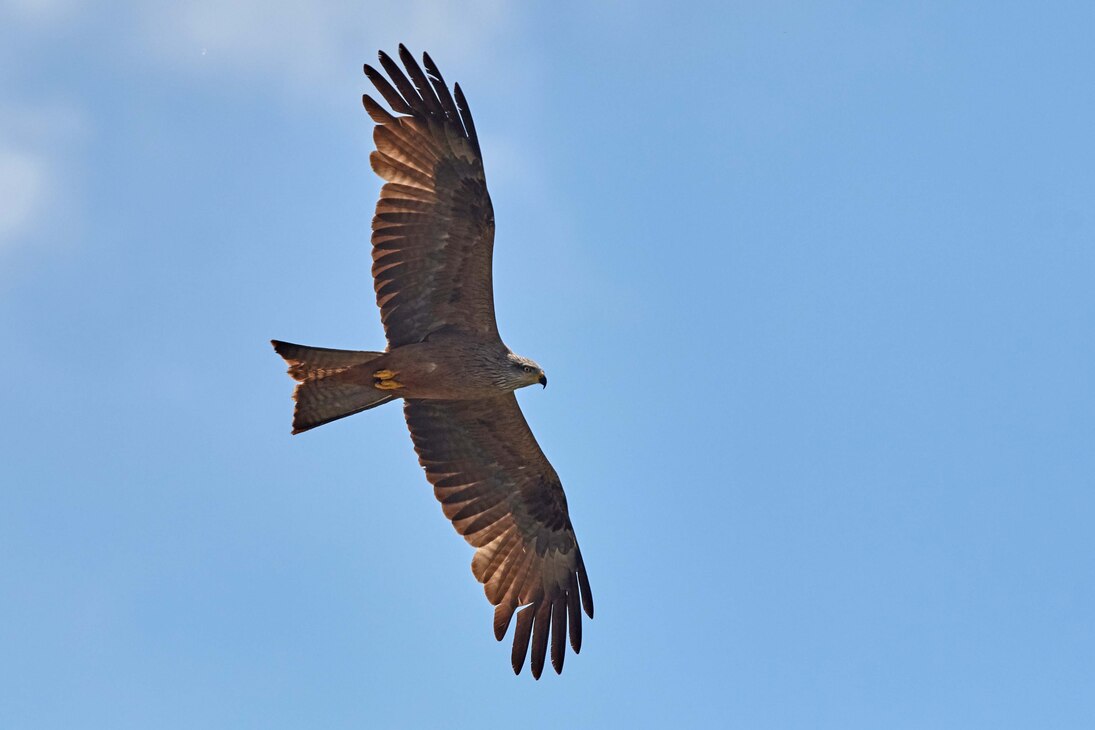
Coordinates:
432 242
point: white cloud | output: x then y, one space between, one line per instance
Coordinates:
301 44
35 143
24 186
38 12
307 44
302 49
314 51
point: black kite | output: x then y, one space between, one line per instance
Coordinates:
433 238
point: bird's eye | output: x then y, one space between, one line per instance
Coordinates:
527 369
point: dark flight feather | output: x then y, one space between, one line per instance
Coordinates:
403 85
395 101
558 632
421 83
452 114
465 116
540 630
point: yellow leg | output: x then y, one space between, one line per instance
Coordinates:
385 380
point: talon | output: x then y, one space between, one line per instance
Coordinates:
384 374
388 384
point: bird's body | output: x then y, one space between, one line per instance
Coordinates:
442 368
433 238
445 366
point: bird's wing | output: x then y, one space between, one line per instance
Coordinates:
503 496
433 232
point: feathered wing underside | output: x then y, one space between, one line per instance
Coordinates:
433 232
503 496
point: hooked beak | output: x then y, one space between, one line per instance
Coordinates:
543 380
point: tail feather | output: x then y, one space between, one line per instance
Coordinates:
312 363
322 395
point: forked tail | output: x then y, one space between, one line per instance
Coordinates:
322 395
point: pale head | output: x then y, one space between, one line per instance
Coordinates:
521 371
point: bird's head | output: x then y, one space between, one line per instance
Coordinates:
522 371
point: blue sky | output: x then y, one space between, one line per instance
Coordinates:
813 284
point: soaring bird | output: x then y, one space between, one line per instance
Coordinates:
432 242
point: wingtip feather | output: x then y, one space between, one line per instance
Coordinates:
558 633
503 614
521 635
587 594
541 628
574 610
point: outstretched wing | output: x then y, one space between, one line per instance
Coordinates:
433 233
503 496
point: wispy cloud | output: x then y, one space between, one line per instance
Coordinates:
24 186
297 49
34 143
36 134
37 12
305 45
314 51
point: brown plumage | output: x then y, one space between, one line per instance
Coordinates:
433 240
